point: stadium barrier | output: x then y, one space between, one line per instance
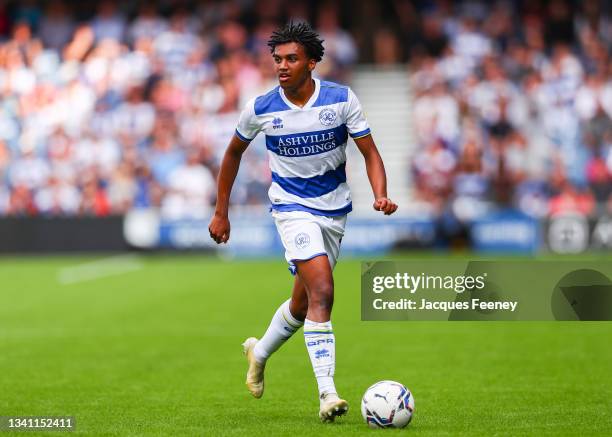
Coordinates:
254 234
65 234
506 232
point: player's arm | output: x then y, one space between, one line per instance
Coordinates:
376 174
219 226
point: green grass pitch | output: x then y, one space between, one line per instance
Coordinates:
156 351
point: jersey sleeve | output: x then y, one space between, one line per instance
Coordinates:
248 126
356 122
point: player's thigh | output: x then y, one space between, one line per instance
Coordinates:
332 229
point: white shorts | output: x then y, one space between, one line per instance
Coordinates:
306 235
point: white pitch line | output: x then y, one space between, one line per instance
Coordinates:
98 269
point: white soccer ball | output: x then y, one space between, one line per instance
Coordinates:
387 404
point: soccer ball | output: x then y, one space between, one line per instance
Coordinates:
387 404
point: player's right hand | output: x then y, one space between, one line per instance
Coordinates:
219 229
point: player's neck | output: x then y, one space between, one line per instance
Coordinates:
301 94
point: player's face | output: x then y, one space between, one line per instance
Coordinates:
292 65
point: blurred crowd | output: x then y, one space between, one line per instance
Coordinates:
134 105
513 109
107 105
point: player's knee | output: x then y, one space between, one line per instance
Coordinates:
326 305
322 297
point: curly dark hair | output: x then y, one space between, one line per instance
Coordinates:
300 33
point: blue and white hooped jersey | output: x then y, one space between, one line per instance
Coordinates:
307 146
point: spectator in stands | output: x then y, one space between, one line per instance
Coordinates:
109 22
122 188
539 104
147 24
471 187
191 188
81 43
434 168
94 200
21 202
57 197
340 48
572 200
29 170
164 156
102 112
56 25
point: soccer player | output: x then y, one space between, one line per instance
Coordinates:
306 123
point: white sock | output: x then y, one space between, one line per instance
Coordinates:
282 326
321 346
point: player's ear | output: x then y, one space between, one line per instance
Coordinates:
311 64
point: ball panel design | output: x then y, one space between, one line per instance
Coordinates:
387 404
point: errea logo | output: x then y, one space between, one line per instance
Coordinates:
322 353
277 123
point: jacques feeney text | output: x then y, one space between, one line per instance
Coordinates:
424 304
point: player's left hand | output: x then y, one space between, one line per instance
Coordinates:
385 205
219 229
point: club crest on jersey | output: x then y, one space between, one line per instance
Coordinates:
302 240
277 123
327 116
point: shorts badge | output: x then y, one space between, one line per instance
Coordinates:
302 240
